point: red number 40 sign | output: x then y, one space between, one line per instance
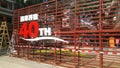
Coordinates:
30 30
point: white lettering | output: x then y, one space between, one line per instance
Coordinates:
35 16
45 31
41 31
22 19
26 18
29 17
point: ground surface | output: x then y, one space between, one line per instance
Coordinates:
11 62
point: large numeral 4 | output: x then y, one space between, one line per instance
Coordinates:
23 30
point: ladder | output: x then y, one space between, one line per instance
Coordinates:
4 35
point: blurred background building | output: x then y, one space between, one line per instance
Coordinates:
6 9
6 12
8 6
24 3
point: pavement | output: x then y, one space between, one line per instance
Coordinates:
12 62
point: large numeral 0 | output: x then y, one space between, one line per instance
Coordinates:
31 29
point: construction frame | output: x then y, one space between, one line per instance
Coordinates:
92 28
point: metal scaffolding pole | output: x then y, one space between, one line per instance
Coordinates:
75 42
100 34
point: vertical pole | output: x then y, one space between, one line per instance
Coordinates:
45 52
18 46
60 54
22 50
29 46
100 34
40 48
28 50
33 54
75 43
55 59
56 4
78 56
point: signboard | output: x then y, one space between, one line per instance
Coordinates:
30 30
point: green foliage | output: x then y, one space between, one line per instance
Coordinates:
65 52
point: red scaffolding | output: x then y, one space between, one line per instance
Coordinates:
87 25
